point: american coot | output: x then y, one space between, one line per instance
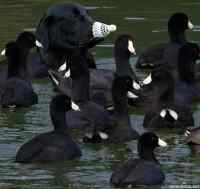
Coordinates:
186 87
161 109
167 53
25 41
143 171
35 67
55 145
193 139
101 80
118 129
17 88
91 113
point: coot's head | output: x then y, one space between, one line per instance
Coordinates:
151 140
26 40
147 143
124 45
60 103
179 22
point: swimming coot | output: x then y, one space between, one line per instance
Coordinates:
145 170
56 145
166 53
17 90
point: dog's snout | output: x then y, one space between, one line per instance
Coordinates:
100 30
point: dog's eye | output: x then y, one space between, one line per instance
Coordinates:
128 81
76 12
82 18
154 138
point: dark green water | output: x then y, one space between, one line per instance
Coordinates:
147 23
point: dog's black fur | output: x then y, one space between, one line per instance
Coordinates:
62 29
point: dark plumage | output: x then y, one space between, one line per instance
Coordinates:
167 53
56 145
172 92
159 97
118 128
64 28
101 80
17 89
143 171
34 66
186 87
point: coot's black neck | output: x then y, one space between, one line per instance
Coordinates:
58 120
146 153
13 66
120 101
123 67
17 65
177 37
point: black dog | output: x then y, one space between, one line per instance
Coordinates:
64 29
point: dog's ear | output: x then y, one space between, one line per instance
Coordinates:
55 32
42 32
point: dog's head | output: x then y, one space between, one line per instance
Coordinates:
67 26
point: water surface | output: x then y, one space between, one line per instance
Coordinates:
147 23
